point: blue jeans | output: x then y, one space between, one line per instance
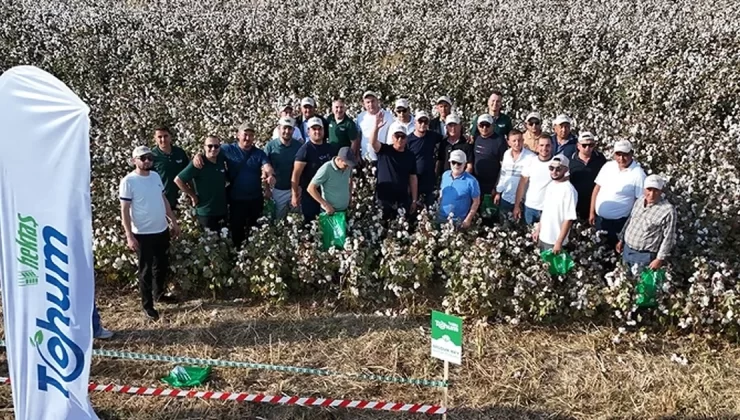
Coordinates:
531 216
96 320
612 228
632 257
505 207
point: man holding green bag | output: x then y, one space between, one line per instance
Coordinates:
560 211
335 180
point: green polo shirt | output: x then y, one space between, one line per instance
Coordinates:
343 133
168 166
210 186
501 125
334 184
281 157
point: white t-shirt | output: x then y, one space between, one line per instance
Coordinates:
619 189
410 127
296 133
538 173
148 213
366 124
560 199
511 173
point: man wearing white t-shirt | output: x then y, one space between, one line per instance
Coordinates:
144 214
403 117
366 124
618 185
558 215
515 158
534 181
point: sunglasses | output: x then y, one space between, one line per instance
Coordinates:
484 125
588 145
456 163
402 110
423 121
147 157
556 168
213 146
535 122
399 136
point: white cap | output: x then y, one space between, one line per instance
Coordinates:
559 160
314 121
452 119
285 106
533 115
444 99
421 114
485 118
623 146
585 136
370 93
286 122
397 127
402 103
561 119
655 181
308 101
458 156
141 151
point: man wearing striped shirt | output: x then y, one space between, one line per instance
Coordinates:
650 232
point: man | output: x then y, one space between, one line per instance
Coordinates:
397 186
585 165
438 123
209 197
335 180
618 185
308 160
169 160
515 158
366 124
403 117
459 194
501 122
534 131
308 111
649 234
488 152
144 213
563 141
342 129
453 141
534 181
281 153
99 332
247 166
423 144
558 215
286 110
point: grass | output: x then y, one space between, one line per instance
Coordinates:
508 372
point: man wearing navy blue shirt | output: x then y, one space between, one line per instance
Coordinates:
423 143
488 152
309 158
585 165
308 111
563 141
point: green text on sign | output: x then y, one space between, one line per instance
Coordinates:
447 337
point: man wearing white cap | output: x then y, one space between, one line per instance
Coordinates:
144 214
533 124
281 153
308 111
308 160
444 107
459 192
618 185
585 165
397 185
649 235
515 158
488 153
286 110
501 122
533 182
563 141
423 144
403 117
453 141
366 124
558 215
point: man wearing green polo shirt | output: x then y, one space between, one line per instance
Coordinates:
342 129
209 197
335 180
501 122
281 155
169 160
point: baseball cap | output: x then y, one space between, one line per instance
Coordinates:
245 126
655 181
559 160
141 151
452 119
421 114
534 115
444 99
623 146
308 101
485 118
286 122
370 93
345 153
397 127
585 137
561 119
314 121
402 103
458 156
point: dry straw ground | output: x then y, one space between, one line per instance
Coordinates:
573 372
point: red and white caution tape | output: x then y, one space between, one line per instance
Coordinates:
269 399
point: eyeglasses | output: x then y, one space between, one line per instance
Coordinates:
456 163
213 146
423 121
147 157
556 168
484 125
588 145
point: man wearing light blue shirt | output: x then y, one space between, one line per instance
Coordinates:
459 192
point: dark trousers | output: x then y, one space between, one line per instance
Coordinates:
612 228
243 215
153 266
428 198
214 223
390 207
309 207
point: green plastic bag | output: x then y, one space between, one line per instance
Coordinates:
488 209
333 229
647 287
559 264
269 209
187 376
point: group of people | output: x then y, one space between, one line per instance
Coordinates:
544 180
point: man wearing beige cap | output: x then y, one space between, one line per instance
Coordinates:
649 235
551 232
533 125
618 185
403 117
366 124
308 111
459 193
444 108
423 143
501 122
281 154
563 141
585 165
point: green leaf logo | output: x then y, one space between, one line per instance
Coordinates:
37 338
